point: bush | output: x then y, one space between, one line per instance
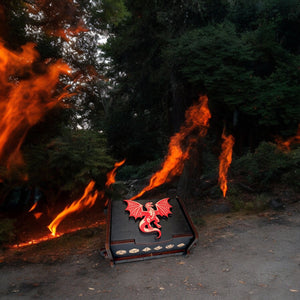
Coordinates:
128 172
7 231
68 162
268 165
259 203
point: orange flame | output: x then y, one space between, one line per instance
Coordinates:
86 201
33 207
225 159
26 94
286 144
197 117
112 174
38 215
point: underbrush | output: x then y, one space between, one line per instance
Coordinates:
7 231
129 172
268 166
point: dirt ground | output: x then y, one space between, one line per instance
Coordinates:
238 256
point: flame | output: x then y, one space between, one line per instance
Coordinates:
26 94
286 144
35 241
50 236
86 201
33 207
38 215
112 174
225 159
196 117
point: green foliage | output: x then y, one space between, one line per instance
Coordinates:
160 56
7 231
268 165
69 161
250 73
241 201
236 202
138 172
112 11
259 203
134 135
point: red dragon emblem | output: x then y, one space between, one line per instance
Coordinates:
149 216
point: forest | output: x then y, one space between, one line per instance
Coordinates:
88 83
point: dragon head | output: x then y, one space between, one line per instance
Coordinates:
149 205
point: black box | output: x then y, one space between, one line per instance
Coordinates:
126 242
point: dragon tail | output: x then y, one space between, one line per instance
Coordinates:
144 227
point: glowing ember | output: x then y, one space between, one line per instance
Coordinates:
25 96
36 241
86 201
197 118
225 159
112 174
50 236
286 144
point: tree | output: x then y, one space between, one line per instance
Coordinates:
58 157
142 78
251 79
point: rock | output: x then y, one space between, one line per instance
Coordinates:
277 204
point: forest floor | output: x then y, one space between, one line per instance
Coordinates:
238 256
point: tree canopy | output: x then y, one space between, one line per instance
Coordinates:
129 94
243 54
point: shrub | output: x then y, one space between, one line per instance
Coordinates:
128 172
268 165
7 231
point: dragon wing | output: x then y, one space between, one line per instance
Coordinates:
135 209
163 207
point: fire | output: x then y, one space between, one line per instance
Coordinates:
225 159
37 215
33 207
26 94
286 144
87 200
112 174
196 119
